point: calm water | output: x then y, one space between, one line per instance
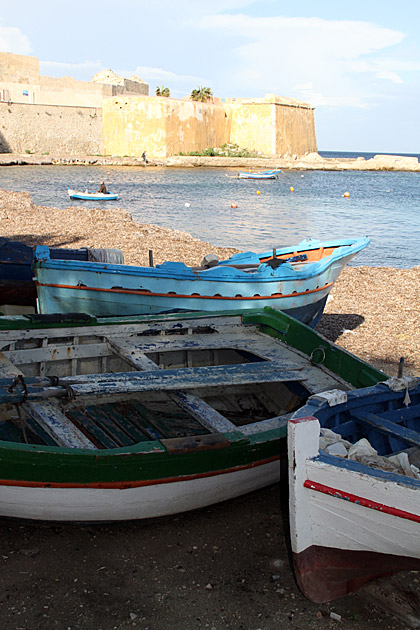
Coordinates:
382 205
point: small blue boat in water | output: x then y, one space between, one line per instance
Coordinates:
273 174
89 195
296 280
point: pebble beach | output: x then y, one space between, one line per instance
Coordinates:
224 567
372 311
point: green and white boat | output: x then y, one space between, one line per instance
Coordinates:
129 418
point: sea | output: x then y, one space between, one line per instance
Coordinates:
214 206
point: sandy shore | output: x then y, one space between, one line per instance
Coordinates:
372 311
221 568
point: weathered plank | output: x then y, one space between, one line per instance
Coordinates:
248 341
81 418
186 378
208 417
57 425
7 367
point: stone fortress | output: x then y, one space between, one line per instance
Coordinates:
111 115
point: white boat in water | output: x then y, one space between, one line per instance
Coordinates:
89 195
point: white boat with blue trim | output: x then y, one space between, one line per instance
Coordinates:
91 195
354 487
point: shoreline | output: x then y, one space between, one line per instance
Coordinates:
371 312
184 570
312 161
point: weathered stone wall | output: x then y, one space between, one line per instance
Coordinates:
295 130
50 129
253 126
272 125
161 126
19 68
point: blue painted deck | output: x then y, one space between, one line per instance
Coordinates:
387 419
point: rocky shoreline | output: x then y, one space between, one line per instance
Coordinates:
312 161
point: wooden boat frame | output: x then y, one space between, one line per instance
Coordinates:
70 477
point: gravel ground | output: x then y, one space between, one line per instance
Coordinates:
221 568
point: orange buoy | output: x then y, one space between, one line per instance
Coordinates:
234 205
258 192
291 189
346 194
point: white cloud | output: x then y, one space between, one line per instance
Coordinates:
149 73
283 55
58 68
14 41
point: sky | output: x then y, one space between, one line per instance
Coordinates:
356 62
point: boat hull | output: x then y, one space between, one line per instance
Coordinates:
351 522
106 290
128 500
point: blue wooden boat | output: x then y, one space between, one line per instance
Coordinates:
355 493
91 195
17 284
296 280
272 174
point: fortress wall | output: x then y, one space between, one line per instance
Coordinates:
18 68
70 92
253 126
273 126
295 130
161 126
50 129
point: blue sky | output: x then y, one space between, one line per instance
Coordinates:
357 63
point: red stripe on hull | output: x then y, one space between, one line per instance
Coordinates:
274 296
324 573
367 503
125 485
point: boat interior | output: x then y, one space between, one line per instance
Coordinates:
114 386
390 424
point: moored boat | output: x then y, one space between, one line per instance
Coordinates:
116 419
272 174
88 195
355 491
295 279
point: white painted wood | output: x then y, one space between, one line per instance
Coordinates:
55 352
96 504
351 526
320 519
57 425
302 444
218 323
7 368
